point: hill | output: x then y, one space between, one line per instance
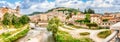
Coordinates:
56 9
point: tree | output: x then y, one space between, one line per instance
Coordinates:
12 20
6 19
85 11
87 18
24 19
105 20
89 11
53 25
15 21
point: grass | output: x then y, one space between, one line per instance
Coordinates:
63 36
85 39
84 33
13 35
73 26
104 34
67 28
76 26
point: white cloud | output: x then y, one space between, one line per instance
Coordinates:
31 5
39 7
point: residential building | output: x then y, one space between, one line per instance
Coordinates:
78 17
95 18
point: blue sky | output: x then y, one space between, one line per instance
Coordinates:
29 6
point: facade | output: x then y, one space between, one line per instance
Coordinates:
61 15
95 18
78 17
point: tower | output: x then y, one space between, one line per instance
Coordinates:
17 9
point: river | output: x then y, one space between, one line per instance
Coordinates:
38 34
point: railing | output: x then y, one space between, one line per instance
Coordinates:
112 36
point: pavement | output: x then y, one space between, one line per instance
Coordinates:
75 33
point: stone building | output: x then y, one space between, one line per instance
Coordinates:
4 10
95 18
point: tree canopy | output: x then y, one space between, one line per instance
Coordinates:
53 25
89 11
11 19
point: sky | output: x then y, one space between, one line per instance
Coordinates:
29 6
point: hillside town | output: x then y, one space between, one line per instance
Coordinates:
59 21
103 20
76 25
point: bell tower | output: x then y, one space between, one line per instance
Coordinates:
17 9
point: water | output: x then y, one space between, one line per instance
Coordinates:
38 34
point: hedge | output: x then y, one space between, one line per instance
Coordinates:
84 33
104 34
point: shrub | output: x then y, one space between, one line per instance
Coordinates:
70 24
84 33
104 34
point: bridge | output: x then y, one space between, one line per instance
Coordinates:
114 37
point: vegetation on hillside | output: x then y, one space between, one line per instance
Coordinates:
70 10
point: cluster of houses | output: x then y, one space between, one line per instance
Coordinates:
104 20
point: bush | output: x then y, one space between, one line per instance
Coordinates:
92 25
104 34
84 33
70 24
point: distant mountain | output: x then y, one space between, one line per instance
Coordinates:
34 13
56 9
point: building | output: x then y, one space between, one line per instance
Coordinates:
95 18
4 10
61 15
78 17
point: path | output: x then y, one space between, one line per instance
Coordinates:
93 33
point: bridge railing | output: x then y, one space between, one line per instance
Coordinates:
112 36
